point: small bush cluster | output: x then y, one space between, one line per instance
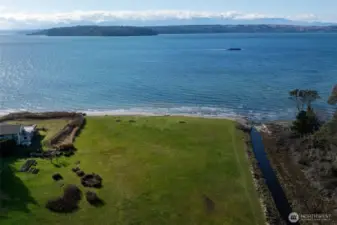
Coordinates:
75 169
68 202
92 180
57 177
80 173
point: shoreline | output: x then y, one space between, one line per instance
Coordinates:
187 110
165 115
145 114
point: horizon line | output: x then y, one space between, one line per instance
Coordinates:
173 25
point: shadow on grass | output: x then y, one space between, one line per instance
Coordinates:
37 142
81 128
98 203
60 206
15 195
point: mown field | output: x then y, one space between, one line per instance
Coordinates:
155 170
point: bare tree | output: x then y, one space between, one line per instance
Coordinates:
294 95
304 98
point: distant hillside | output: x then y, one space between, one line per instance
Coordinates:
97 31
179 29
191 29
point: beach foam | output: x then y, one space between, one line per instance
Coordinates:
178 111
206 112
191 111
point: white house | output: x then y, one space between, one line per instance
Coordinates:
27 134
22 135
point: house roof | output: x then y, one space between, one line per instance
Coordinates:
6 129
29 129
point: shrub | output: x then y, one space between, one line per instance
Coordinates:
80 173
306 122
75 169
68 203
72 193
60 205
68 154
57 177
92 180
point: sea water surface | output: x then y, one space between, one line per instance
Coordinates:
166 74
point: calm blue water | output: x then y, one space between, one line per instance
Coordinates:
177 74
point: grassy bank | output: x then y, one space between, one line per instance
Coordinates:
155 170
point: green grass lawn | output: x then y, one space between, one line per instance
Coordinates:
155 171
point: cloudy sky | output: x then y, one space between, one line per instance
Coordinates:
36 13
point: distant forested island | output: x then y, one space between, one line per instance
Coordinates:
97 31
183 29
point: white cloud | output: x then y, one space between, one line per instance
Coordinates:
305 17
129 15
23 19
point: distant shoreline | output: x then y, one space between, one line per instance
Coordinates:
179 29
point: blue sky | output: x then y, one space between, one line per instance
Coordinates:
14 13
286 7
